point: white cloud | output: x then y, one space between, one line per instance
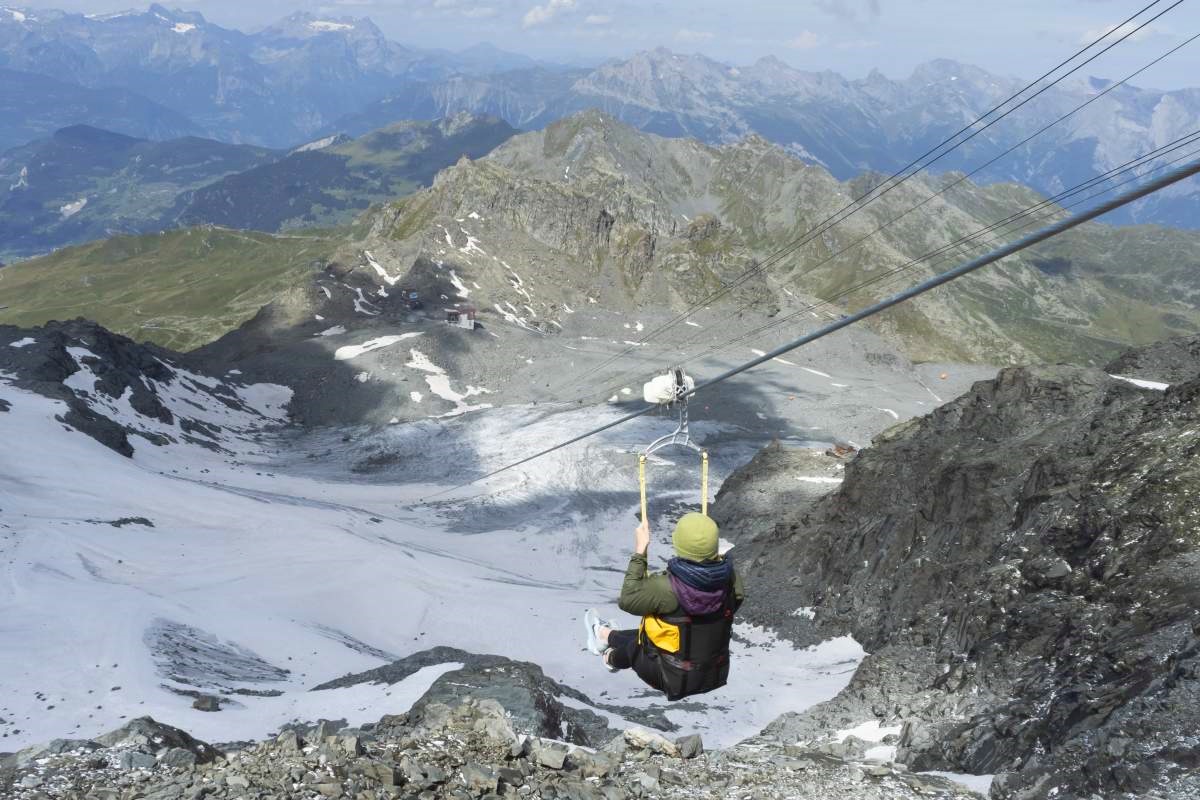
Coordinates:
806 40
1096 33
688 35
539 15
597 19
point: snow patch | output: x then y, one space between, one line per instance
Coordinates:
355 350
870 731
71 209
362 305
511 315
439 384
379 270
319 144
883 752
817 479
472 245
326 25
1161 387
806 612
459 286
22 343
183 27
336 330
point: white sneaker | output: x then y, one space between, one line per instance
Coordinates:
593 623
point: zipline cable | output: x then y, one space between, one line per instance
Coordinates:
1158 184
830 221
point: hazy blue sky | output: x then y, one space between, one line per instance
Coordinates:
1012 37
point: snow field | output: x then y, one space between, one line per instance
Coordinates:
290 567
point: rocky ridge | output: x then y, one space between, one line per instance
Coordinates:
592 207
125 395
1021 565
467 750
847 126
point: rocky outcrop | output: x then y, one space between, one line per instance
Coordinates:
1169 361
533 702
119 392
466 750
1033 544
43 363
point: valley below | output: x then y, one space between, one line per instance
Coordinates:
250 560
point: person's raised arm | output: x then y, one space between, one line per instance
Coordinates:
639 594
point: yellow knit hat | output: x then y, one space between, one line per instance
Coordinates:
696 537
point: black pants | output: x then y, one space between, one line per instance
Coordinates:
624 646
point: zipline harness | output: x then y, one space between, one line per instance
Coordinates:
672 390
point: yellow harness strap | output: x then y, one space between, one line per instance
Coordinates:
703 483
642 482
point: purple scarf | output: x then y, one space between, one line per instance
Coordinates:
700 588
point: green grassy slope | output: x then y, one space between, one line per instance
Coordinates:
179 289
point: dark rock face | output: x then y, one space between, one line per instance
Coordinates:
1033 545
119 363
1171 361
42 360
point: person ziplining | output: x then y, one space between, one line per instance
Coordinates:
681 646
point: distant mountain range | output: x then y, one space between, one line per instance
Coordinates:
277 87
84 183
847 126
589 213
308 77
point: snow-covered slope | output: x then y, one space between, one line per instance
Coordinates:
131 585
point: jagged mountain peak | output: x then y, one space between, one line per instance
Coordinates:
305 25
662 62
945 69
175 14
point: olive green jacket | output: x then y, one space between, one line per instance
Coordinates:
644 593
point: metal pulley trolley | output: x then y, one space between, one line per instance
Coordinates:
670 390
